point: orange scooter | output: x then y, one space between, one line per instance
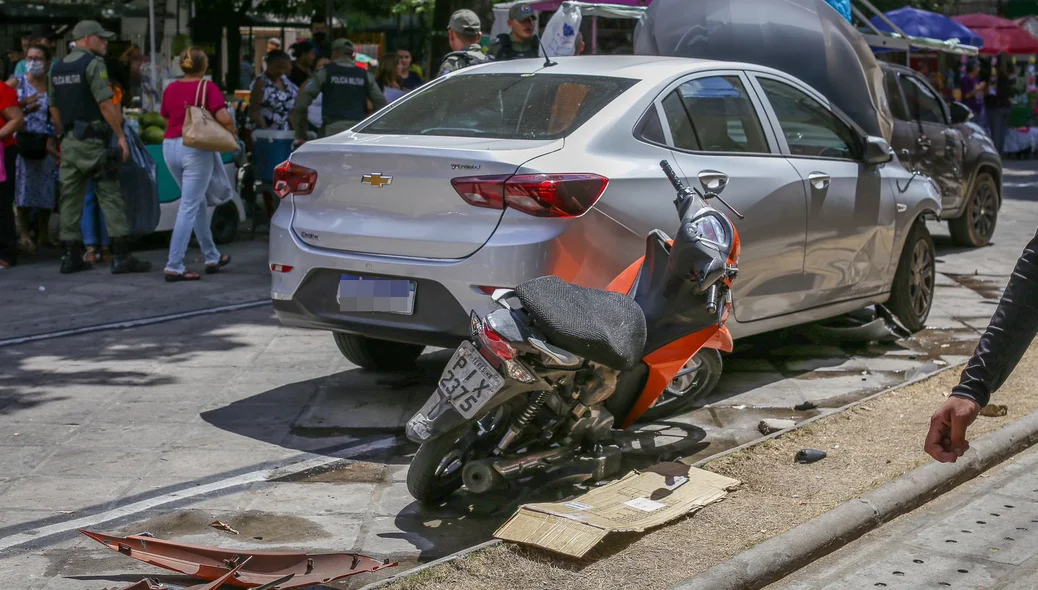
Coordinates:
550 376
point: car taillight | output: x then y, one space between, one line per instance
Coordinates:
293 179
540 195
495 344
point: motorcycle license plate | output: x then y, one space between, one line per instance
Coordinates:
469 381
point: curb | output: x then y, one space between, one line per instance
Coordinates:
699 464
421 568
779 556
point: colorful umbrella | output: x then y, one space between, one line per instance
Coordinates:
923 23
1000 35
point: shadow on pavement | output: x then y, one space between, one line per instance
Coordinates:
451 527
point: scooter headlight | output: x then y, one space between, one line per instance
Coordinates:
710 228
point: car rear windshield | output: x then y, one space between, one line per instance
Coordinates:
501 106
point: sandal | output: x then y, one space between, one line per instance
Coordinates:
90 256
26 245
215 268
184 276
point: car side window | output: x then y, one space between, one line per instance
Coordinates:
810 129
650 129
679 122
894 99
714 114
923 104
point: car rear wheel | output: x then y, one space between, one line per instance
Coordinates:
976 226
693 384
376 355
911 295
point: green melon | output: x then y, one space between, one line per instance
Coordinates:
153 120
152 135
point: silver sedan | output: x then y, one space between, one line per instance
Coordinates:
390 233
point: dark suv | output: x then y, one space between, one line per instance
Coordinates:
943 142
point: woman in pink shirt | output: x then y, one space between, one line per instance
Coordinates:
193 169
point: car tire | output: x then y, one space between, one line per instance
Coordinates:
976 226
224 224
911 295
672 402
376 355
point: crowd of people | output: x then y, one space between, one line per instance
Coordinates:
61 121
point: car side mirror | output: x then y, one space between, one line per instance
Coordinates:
877 151
960 113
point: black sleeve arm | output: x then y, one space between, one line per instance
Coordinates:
1009 334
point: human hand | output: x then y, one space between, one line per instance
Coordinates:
125 147
946 440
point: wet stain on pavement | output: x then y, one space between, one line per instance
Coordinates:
987 288
251 525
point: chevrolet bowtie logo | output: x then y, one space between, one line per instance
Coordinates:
377 180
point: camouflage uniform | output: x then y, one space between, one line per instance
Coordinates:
465 25
78 85
470 56
506 46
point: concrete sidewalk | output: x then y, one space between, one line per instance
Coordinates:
981 535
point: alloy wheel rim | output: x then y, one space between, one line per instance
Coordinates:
983 212
922 279
681 385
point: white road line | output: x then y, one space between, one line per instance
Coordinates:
239 480
132 323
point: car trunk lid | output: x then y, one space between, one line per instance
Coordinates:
392 194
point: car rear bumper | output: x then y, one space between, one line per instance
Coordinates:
438 318
522 248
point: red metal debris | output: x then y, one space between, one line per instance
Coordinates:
211 563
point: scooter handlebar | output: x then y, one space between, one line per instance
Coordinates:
672 176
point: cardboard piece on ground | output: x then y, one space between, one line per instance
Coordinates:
634 503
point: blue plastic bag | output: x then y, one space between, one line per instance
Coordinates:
139 185
843 7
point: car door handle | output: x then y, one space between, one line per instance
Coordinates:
819 180
713 181
924 143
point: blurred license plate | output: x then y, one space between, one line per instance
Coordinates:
469 381
366 294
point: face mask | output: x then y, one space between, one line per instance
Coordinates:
34 67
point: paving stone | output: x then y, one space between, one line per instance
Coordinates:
62 492
211 463
314 499
114 461
1006 514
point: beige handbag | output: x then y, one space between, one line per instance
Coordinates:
202 131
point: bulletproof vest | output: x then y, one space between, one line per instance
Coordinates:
345 93
72 95
508 51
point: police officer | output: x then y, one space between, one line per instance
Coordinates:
346 89
463 33
522 41
85 119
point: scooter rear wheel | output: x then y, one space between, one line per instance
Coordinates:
436 469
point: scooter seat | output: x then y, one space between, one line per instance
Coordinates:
600 326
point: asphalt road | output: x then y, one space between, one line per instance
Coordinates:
130 405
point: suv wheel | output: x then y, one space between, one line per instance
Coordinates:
976 226
912 292
376 355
